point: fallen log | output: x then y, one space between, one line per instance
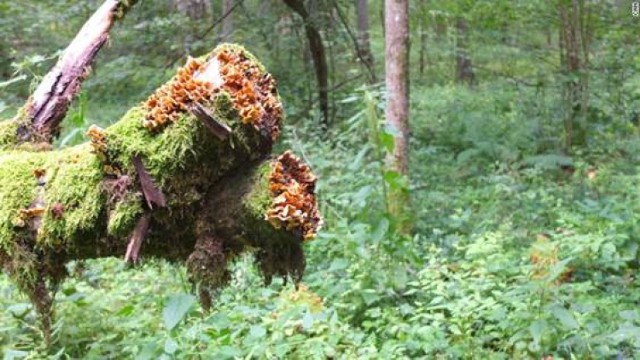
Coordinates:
185 176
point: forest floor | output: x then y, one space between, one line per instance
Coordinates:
519 252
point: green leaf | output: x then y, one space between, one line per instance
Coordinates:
176 309
565 317
338 264
126 310
387 141
369 296
629 315
307 321
19 310
361 196
380 230
558 269
12 81
357 161
148 352
395 180
229 352
537 329
257 332
170 346
14 354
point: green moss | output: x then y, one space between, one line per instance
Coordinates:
259 200
123 217
8 133
73 179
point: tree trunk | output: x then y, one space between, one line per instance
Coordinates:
397 110
464 68
226 35
423 37
194 9
318 55
574 57
364 46
440 24
183 177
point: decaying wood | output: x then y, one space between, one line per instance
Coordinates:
160 182
217 128
151 192
50 101
138 235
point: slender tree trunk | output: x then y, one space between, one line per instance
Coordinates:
464 67
440 24
574 57
318 55
423 37
194 9
227 23
364 46
397 110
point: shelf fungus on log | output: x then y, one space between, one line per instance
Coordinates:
184 176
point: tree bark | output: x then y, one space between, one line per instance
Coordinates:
464 67
226 34
194 9
48 105
318 55
574 57
364 46
161 182
397 87
423 37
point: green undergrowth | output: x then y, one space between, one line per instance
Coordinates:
491 191
249 320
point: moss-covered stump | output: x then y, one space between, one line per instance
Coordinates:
183 176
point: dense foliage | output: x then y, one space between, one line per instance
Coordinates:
521 248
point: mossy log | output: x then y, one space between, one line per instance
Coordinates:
184 176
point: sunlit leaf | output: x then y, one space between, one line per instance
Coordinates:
176 309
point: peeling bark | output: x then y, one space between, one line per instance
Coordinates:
49 103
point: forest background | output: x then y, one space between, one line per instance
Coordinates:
511 231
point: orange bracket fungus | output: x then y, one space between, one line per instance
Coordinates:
292 186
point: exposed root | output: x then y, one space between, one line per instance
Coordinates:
135 243
207 267
284 260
